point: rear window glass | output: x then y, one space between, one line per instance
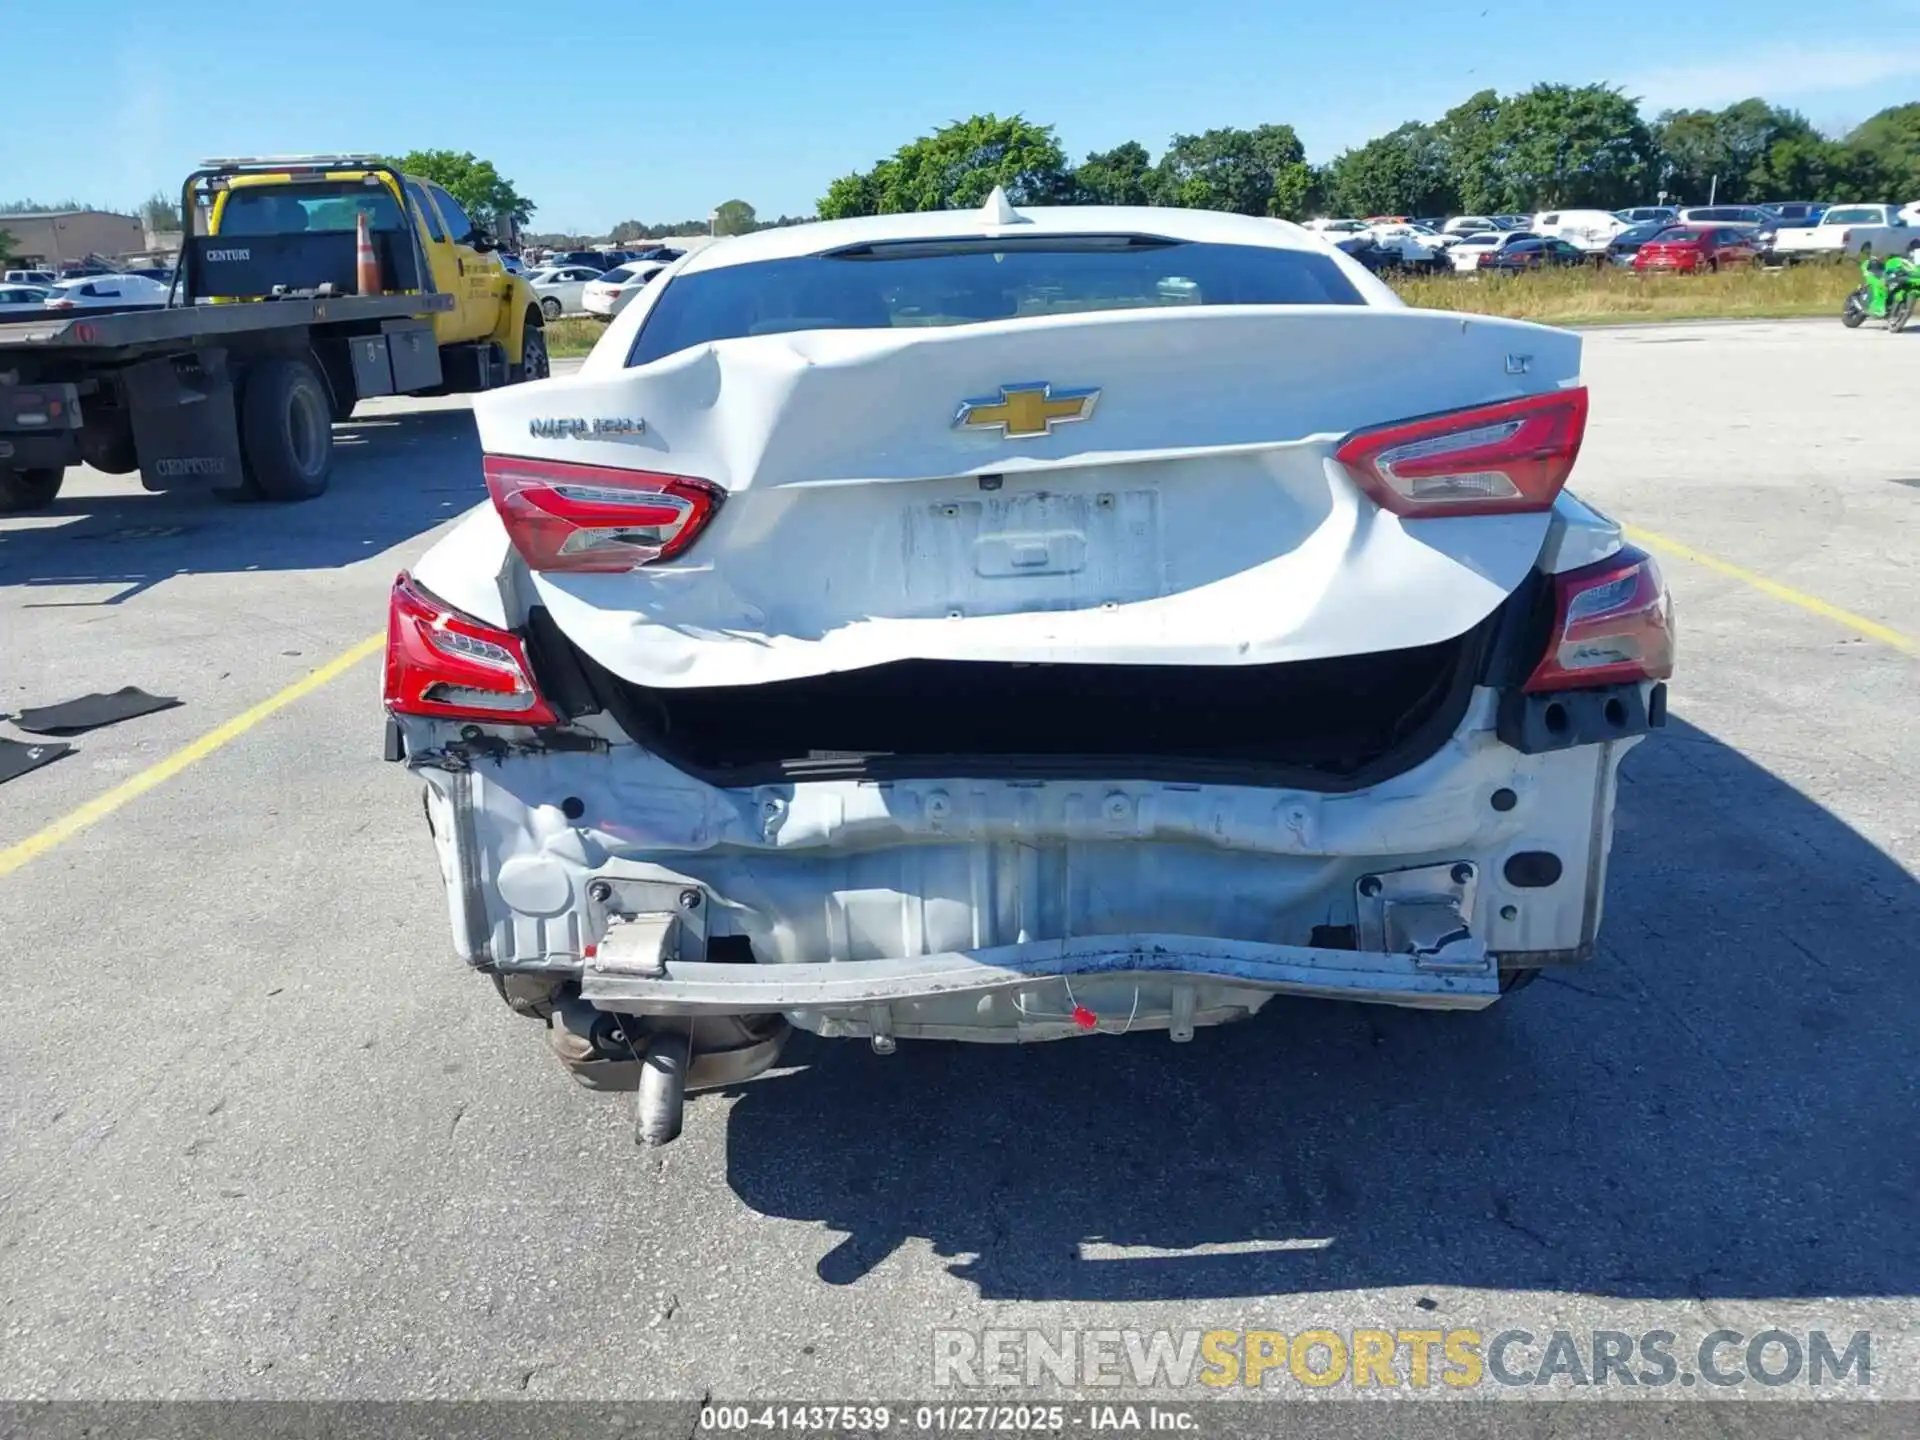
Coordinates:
618 275
1678 234
1853 217
322 207
891 286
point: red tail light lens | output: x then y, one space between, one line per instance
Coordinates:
448 665
1490 460
1612 622
593 519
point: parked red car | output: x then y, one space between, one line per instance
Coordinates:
1692 248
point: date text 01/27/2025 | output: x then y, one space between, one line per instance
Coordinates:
960 1419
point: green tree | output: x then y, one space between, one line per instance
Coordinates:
1120 176
851 195
1295 184
734 217
1469 154
1723 153
487 196
1568 145
7 242
1803 166
956 168
159 212
35 207
1404 172
1691 152
1251 172
1892 139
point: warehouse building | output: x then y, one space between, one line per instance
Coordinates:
48 239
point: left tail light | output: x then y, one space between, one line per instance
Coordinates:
446 665
1498 459
1612 623
595 519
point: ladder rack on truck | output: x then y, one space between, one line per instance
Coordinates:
265 342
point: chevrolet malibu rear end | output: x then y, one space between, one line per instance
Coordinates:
1014 626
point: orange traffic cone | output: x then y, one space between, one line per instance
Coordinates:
367 264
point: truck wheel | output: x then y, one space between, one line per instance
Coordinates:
533 353
550 307
286 430
22 490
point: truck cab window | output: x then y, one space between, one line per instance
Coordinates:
427 212
457 221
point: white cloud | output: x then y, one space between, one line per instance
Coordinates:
1778 73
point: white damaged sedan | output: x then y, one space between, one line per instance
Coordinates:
1020 624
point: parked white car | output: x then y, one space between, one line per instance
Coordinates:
562 288
17 301
609 294
989 627
1725 215
29 277
1337 229
1464 225
1590 230
1465 254
1848 230
94 292
1415 243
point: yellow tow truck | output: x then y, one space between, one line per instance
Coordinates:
272 332
425 243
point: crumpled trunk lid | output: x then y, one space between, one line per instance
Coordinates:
1196 517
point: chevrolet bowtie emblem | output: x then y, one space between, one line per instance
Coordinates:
1024 412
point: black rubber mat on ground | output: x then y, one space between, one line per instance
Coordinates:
17 758
90 712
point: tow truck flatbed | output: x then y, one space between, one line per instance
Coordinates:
133 329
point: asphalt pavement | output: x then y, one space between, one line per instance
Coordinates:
261 1136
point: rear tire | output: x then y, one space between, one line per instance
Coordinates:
550 308
1854 310
1899 313
286 430
24 490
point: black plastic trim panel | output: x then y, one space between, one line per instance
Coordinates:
1562 719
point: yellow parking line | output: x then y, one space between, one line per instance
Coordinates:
1812 604
72 823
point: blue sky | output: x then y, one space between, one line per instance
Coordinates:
606 112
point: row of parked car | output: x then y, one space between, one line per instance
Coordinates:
599 283
29 292
1651 237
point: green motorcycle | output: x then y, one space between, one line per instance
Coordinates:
1893 284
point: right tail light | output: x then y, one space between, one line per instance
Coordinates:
1612 623
1511 456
